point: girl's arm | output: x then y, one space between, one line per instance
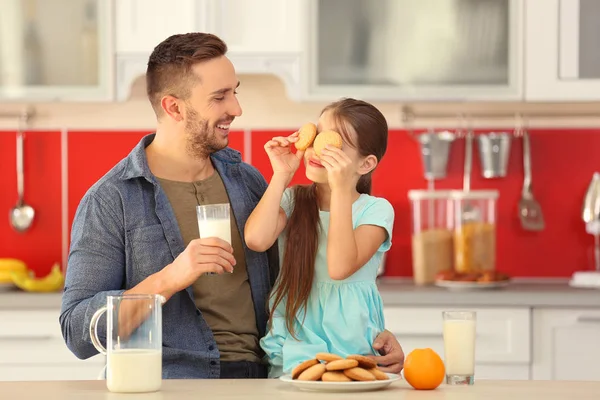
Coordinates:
268 219
349 249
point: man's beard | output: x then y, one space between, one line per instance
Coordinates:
201 138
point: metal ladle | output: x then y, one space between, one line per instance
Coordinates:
21 215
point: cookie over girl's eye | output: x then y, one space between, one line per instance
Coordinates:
327 138
306 136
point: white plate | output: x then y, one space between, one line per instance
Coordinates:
462 285
319 386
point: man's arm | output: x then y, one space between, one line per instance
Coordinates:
392 355
97 265
96 269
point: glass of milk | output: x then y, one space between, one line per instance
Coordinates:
459 346
213 221
133 331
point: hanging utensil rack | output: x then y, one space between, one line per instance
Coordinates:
24 116
408 115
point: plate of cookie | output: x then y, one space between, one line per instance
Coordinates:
471 281
332 373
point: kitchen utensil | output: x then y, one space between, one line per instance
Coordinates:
591 207
494 150
435 149
591 216
530 211
469 212
21 215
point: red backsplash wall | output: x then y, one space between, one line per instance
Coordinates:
563 163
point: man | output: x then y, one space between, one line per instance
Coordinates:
135 230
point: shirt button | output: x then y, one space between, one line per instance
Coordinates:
213 363
211 347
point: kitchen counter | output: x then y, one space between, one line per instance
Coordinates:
275 389
523 293
402 292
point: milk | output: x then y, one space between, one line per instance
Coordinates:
459 347
134 370
215 227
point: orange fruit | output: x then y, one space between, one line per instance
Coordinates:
424 369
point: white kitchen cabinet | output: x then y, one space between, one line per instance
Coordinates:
259 26
262 36
562 52
142 24
502 347
32 348
60 50
414 49
566 344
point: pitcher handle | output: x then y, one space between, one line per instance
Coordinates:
94 330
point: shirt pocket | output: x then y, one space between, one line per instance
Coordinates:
150 249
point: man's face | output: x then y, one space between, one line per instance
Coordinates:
211 108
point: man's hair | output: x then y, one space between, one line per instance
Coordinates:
169 69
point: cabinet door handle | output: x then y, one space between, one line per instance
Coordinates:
419 334
588 318
23 338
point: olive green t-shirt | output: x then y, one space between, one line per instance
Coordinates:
225 300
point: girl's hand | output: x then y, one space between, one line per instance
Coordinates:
283 160
340 171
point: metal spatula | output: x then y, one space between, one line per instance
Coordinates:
530 211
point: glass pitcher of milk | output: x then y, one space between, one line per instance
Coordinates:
133 342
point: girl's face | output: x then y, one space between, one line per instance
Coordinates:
314 169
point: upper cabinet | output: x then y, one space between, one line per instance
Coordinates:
56 50
263 36
451 50
563 54
384 50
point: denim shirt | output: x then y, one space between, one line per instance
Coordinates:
125 230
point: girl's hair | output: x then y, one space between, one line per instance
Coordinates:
302 230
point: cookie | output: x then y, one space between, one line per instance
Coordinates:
378 374
339 365
306 136
303 366
359 374
335 376
363 362
327 137
313 373
328 357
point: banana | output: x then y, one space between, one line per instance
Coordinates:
52 282
7 265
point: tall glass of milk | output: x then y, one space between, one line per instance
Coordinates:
133 331
459 347
214 221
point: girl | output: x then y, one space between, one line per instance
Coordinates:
332 237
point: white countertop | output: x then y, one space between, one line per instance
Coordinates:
266 389
402 292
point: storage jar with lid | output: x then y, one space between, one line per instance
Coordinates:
474 230
432 233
